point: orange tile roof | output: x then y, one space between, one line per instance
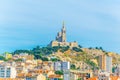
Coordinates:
94 78
54 76
38 71
46 71
114 77
10 79
21 75
45 63
29 75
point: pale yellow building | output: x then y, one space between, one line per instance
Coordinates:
7 55
105 63
36 77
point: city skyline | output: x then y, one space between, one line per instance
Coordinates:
90 23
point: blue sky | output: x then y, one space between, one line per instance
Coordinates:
25 24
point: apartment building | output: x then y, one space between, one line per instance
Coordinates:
7 71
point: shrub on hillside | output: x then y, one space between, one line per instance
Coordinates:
77 49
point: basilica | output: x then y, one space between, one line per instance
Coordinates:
61 39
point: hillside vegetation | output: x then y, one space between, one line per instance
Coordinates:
78 56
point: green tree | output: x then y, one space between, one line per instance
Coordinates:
45 59
79 79
56 48
22 51
92 64
2 58
96 48
60 79
77 49
55 59
72 66
80 46
101 48
17 60
63 49
47 79
38 56
59 72
90 48
113 69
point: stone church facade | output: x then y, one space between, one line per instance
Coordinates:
61 39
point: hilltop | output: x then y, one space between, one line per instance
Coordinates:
80 58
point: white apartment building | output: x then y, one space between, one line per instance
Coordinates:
66 75
117 70
103 75
57 66
65 65
61 65
7 71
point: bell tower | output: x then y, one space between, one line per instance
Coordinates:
63 31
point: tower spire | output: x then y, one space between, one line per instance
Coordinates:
63 32
63 24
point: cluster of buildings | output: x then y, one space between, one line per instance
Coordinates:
25 67
30 69
106 71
